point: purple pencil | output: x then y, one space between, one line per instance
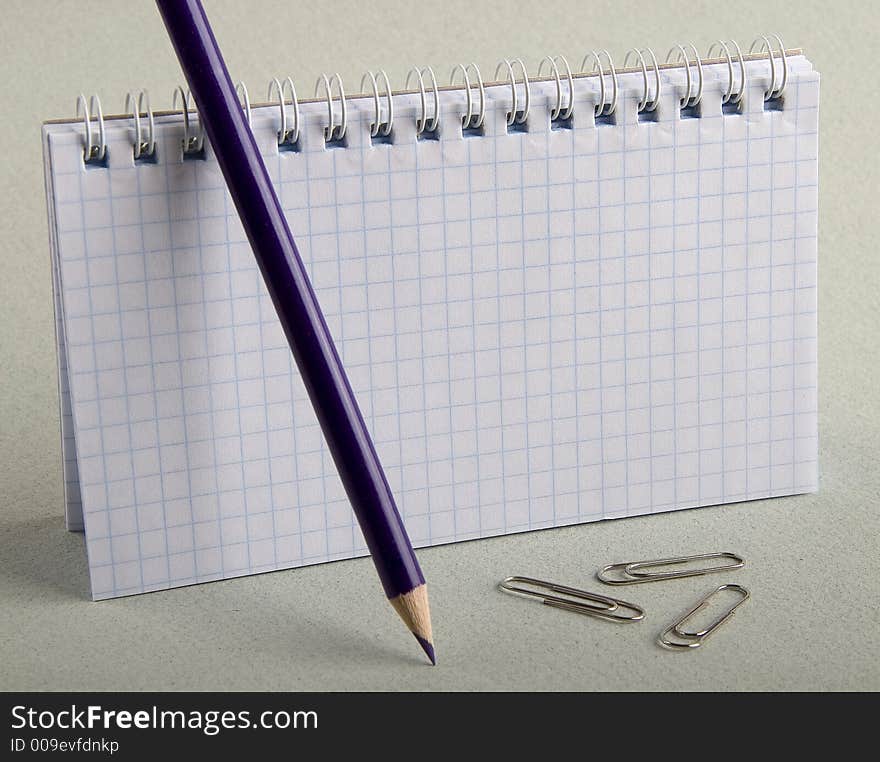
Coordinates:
307 333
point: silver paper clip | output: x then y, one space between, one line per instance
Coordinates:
579 601
636 572
689 639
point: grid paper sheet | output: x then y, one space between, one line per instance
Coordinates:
570 323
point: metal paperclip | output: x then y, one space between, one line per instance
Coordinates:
578 601
633 572
695 639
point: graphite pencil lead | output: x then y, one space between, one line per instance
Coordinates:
428 648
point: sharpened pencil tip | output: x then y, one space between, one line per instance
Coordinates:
414 611
427 648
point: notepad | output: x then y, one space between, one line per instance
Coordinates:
545 322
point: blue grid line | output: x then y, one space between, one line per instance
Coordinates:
125 392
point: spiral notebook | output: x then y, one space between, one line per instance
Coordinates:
559 299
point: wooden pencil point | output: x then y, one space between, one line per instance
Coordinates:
415 612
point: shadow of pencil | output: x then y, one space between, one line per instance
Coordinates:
316 641
277 617
42 558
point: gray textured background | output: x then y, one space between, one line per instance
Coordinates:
813 561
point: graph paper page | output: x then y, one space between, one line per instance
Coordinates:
556 325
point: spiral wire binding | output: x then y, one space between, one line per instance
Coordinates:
92 152
379 126
722 46
471 121
422 124
553 65
647 103
376 85
422 120
516 115
193 139
775 90
603 108
144 147
333 132
242 92
286 137
689 100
